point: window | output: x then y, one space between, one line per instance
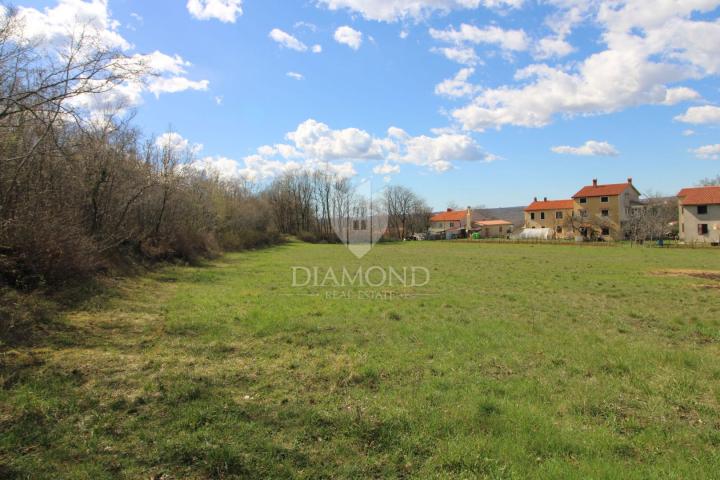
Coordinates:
451 224
356 225
604 199
583 200
682 228
363 224
559 215
532 216
542 215
703 229
583 213
606 231
702 209
558 229
605 213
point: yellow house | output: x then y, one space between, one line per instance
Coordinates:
552 214
602 209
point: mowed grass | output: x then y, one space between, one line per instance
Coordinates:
515 361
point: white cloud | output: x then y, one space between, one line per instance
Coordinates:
590 148
708 152
348 36
218 100
54 26
697 115
552 47
314 145
674 96
57 27
395 10
295 75
403 34
310 26
648 52
688 133
175 84
176 143
287 40
511 40
462 55
386 169
317 48
226 11
458 86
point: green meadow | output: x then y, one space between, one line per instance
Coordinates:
514 361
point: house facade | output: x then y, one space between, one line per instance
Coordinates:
699 215
452 221
600 210
492 228
595 211
553 214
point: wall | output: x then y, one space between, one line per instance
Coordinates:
689 220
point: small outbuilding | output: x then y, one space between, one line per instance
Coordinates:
493 228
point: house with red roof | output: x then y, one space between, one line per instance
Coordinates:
602 209
553 214
700 215
453 222
595 211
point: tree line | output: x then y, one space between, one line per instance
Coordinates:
81 191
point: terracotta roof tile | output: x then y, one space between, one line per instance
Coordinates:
608 190
550 205
700 196
453 215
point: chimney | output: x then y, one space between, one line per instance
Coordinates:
594 182
534 199
545 199
449 210
630 180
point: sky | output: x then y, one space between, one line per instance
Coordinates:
468 102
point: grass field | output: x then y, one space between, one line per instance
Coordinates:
515 361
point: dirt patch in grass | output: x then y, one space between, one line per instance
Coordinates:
679 272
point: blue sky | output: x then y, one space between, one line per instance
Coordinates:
548 95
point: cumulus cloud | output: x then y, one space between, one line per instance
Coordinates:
226 11
552 47
511 40
589 148
462 55
348 36
286 40
648 51
54 28
698 115
317 48
395 10
708 152
314 145
176 143
457 86
295 75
